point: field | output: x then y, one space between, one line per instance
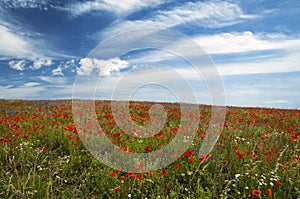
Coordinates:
41 154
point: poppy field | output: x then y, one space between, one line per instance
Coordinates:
42 155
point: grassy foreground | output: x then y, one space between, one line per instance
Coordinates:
42 156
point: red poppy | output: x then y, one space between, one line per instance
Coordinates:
112 174
177 166
277 182
129 173
148 149
248 153
117 190
269 192
192 158
163 172
269 158
139 175
239 154
25 137
142 164
256 192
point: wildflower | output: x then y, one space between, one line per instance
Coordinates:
277 182
139 175
189 172
269 192
142 164
248 153
269 158
177 166
163 172
239 154
116 190
150 173
112 174
25 137
148 149
256 192
192 158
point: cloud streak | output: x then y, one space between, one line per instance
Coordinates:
120 8
208 14
12 45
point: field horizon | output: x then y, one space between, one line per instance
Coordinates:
153 102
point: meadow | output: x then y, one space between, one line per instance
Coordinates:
41 154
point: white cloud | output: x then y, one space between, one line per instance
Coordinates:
279 65
63 66
41 4
68 64
51 80
57 71
39 63
284 64
277 101
21 92
31 84
245 41
104 67
13 45
17 65
210 14
36 64
284 60
118 7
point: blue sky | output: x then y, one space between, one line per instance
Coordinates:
255 46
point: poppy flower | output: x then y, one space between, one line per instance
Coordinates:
117 190
277 182
239 154
269 192
256 192
163 172
112 174
148 149
139 175
25 137
248 153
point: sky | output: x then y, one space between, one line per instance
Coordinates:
47 49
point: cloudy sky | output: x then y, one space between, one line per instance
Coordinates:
255 46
